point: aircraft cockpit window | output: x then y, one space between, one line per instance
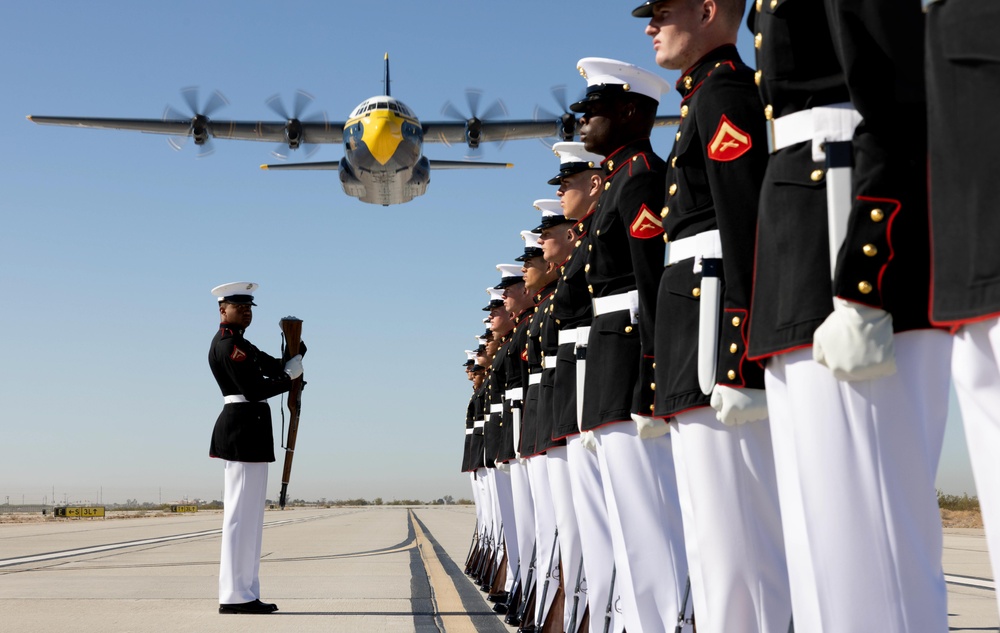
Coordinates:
382 105
371 106
392 106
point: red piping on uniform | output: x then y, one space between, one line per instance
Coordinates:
888 237
743 338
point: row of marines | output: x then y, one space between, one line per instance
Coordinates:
716 386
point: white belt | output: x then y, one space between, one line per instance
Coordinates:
582 336
468 431
237 398
616 303
479 424
830 123
706 245
517 393
535 379
549 362
569 336
496 407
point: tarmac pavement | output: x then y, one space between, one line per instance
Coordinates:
383 568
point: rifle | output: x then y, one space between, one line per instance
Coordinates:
548 575
611 601
291 329
576 598
681 617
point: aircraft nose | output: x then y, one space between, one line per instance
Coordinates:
382 135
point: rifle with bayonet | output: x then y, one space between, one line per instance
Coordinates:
291 329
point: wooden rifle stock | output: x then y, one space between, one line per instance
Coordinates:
291 328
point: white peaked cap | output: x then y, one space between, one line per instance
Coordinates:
470 354
601 72
548 207
481 340
495 294
573 152
509 270
236 292
530 239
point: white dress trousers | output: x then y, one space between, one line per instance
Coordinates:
486 497
570 546
546 543
856 463
732 524
524 515
595 537
976 372
505 503
242 531
647 533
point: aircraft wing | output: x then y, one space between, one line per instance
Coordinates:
453 132
272 131
331 164
467 164
667 121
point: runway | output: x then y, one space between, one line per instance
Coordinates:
346 569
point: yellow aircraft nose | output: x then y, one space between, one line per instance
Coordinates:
382 134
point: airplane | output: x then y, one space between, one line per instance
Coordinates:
383 139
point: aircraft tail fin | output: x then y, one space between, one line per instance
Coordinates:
386 80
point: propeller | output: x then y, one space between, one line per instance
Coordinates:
294 138
199 129
473 121
565 124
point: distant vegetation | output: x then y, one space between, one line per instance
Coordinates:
956 502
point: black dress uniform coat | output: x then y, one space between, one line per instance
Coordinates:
713 182
963 93
516 372
627 254
495 381
812 53
533 417
548 343
242 431
467 451
571 308
477 446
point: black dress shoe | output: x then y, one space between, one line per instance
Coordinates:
512 618
500 596
254 606
500 608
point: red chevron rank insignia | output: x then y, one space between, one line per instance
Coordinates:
729 142
238 355
645 225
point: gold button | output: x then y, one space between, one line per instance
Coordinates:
696 292
628 329
579 227
536 309
654 365
736 321
864 287
816 175
774 4
731 374
684 111
597 232
591 289
769 112
673 189
607 186
665 211
757 39
733 348
688 82
590 247
611 165
756 76
870 250
665 238
760 4
578 242
586 268
562 269
677 136
558 322
877 215
651 408
652 386
673 161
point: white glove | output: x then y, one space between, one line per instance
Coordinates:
650 427
855 342
589 440
737 406
294 366
503 467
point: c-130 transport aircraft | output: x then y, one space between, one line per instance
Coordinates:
383 140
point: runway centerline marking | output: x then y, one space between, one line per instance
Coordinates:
447 603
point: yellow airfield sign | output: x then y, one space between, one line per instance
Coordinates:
183 508
79 511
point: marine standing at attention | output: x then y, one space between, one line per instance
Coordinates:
243 438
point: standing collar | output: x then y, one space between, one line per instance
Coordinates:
696 74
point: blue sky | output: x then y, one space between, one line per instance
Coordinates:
111 241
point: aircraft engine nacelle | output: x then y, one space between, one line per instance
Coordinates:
293 133
473 132
199 129
350 181
567 126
